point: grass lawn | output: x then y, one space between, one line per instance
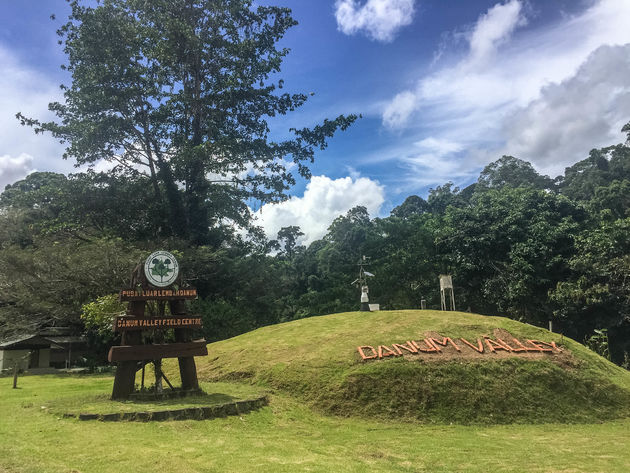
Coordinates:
287 436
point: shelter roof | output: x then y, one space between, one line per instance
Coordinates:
67 339
25 342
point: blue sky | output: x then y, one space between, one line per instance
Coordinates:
444 87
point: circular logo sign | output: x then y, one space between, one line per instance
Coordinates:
161 269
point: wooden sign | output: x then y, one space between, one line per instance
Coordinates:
127 295
154 352
122 324
157 279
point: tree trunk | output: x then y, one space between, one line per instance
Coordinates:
176 210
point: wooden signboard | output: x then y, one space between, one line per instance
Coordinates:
158 279
128 295
153 352
122 324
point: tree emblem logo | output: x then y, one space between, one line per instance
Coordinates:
161 269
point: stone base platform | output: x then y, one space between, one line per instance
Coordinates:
189 413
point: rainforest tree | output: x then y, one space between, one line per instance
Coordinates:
180 92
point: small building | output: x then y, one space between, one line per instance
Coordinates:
29 351
51 348
65 351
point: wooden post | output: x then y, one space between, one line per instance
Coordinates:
166 379
157 370
446 285
15 375
125 378
187 367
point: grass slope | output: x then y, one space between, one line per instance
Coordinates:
316 360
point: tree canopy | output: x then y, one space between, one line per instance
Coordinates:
180 92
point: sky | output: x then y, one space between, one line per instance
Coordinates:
443 87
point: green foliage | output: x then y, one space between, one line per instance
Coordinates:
508 248
597 293
47 284
82 206
412 206
98 316
512 172
289 236
602 167
613 200
223 319
598 342
445 196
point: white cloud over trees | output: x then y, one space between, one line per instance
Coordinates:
547 94
324 200
13 169
571 117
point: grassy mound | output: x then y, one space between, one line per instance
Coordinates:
316 359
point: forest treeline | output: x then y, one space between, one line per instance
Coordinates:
518 244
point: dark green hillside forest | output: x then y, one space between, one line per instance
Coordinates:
183 115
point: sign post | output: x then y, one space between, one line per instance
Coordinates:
158 279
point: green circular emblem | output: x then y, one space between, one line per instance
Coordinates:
161 269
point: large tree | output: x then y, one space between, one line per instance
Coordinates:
508 249
597 293
181 91
603 166
512 172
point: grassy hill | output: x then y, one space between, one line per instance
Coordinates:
317 361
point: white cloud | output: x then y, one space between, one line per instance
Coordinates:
481 80
493 29
13 169
439 146
324 200
398 111
379 19
583 112
512 79
23 89
429 163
